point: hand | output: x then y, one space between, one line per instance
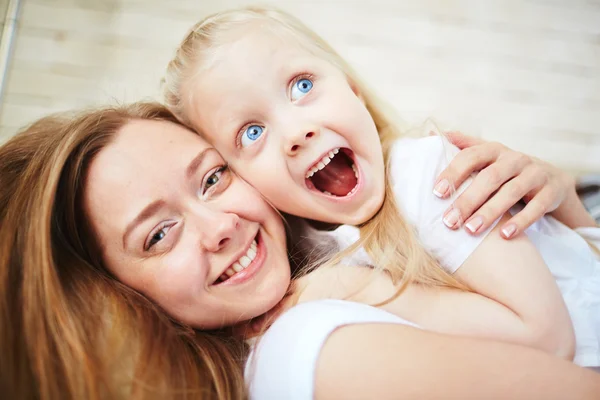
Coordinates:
505 177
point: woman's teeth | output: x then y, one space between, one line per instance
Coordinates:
242 263
322 163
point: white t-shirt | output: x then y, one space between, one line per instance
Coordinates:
416 164
282 363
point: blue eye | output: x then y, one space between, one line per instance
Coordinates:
300 88
251 134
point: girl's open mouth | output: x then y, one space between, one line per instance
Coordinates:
335 174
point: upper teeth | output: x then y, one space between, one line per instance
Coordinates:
242 262
319 165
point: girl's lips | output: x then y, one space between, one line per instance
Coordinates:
251 270
352 193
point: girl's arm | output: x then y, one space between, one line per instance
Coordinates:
513 273
515 299
384 361
506 177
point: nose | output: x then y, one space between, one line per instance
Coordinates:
298 139
219 230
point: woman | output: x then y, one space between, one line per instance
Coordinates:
98 303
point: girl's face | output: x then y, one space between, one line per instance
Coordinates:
292 126
176 225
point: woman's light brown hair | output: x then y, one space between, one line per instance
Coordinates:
68 329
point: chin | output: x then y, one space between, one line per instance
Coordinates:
367 211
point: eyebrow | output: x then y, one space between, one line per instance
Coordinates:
146 213
155 206
193 166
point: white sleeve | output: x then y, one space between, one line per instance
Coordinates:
282 364
415 165
592 236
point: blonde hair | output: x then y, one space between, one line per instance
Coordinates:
388 239
68 329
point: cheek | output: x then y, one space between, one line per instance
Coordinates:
260 176
349 110
172 281
256 207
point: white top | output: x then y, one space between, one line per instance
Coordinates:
282 364
415 165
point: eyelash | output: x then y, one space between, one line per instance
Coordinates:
238 137
222 168
296 78
170 224
149 245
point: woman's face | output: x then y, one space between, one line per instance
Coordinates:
175 224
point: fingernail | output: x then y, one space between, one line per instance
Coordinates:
474 224
441 188
509 230
451 218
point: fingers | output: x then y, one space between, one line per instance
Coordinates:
461 140
466 162
533 211
508 195
529 184
483 186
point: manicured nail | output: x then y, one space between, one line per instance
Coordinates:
451 218
441 188
509 230
474 224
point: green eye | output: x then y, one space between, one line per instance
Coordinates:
213 179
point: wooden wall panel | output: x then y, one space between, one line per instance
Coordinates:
524 72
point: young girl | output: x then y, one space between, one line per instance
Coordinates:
293 120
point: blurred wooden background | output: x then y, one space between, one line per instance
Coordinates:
524 72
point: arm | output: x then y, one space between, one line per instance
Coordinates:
518 298
384 361
514 299
507 177
572 212
514 275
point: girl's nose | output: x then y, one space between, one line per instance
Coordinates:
299 139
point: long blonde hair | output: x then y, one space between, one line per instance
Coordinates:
389 240
68 329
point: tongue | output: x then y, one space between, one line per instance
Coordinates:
337 177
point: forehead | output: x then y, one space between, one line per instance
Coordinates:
139 137
255 57
256 62
143 160
145 150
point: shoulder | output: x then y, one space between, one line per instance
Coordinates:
430 154
283 361
414 165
